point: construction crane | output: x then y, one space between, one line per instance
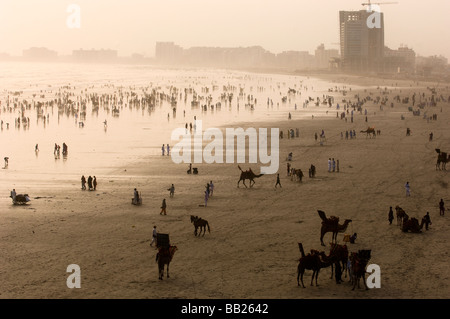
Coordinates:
377 3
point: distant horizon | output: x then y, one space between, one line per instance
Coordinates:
134 26
200 46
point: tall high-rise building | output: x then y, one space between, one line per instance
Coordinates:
362 40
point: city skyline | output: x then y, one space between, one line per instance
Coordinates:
278 26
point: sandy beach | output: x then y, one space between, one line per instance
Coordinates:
252 249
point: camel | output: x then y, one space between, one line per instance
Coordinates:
338 253
359 263
401 215
312 262
248 175
442 160
412 225
200 223
164 257
370 130
331 225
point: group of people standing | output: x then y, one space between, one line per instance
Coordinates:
351 133
333 165
92 183
163 150
57 149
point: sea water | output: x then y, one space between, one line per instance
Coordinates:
135 133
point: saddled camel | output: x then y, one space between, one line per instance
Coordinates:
338 253
312 262
164 257
359 263
331 225
370 130
248 174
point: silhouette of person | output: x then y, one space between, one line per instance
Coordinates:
278 181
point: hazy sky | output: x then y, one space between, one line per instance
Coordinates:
133 26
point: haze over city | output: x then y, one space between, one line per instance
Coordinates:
135 26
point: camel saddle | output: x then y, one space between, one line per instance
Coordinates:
333 220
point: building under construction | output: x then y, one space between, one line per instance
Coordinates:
362 41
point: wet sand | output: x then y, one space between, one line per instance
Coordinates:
252 250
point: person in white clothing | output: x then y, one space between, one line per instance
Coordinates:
13 195
155 233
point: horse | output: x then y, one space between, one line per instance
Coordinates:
164 257
200 223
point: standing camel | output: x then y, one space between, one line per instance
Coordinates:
401 215
248 175
359 263
331 225
312 262
164 257
338 253
370 130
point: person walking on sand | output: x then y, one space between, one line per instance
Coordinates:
136 196
83 183
427 220
163 207
337 166
206 198
329 165
154 236
94 183
390 215
90 182
278 181
162 149
334 165
211 188
168 150
441 208
172 190
408 189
